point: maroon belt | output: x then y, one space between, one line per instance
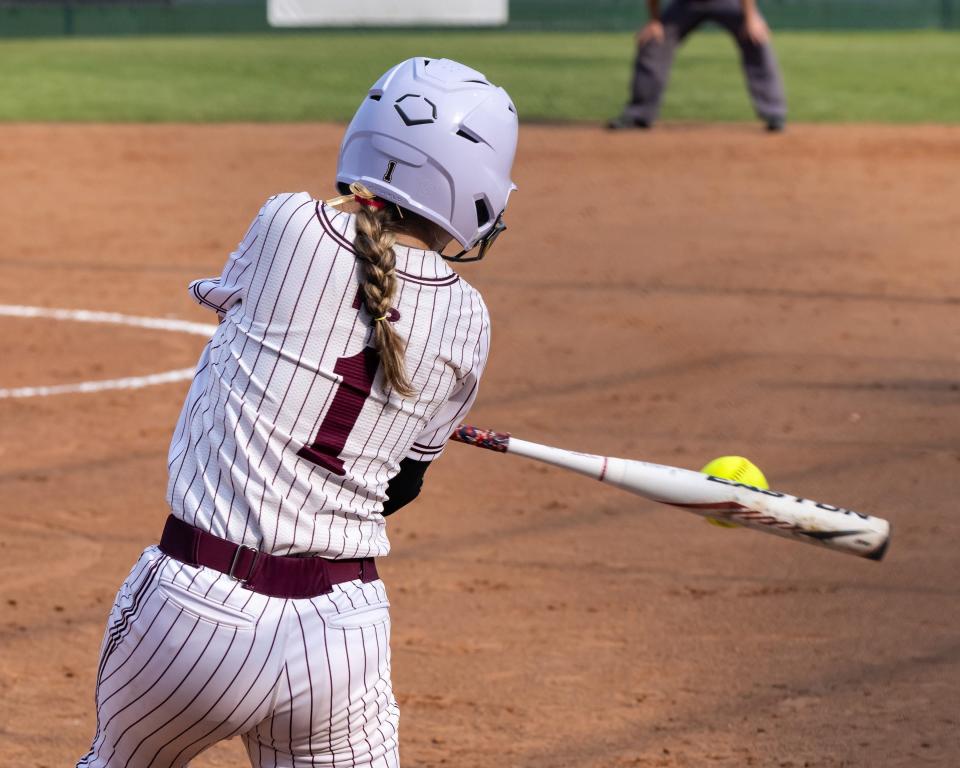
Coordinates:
273 575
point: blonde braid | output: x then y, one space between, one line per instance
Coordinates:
374 245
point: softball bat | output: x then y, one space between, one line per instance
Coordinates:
761 509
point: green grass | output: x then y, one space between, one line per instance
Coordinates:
830 77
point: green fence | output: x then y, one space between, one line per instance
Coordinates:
35 19
26 18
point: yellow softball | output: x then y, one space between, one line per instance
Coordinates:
734 468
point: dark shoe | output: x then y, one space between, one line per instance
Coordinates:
626 123
776 124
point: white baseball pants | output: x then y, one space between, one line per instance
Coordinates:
190 658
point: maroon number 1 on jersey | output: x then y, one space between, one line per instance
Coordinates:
358 373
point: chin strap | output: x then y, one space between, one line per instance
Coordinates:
484 244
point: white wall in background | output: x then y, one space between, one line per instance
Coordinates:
350 13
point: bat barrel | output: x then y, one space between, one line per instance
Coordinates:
761 509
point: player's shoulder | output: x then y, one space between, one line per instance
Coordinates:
288 202
470 290
473 301
283 210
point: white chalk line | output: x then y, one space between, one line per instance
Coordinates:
86 316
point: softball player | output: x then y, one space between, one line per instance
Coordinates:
347 352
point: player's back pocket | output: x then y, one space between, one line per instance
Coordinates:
361 617
203 607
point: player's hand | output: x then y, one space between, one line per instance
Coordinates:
652 31
756 29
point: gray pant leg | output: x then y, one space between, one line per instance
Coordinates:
651 69
759 65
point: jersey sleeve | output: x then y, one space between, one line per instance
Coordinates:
223 292
433 439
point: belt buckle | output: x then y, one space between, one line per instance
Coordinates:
235 560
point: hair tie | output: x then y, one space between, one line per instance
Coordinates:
378 319
359 194
364 196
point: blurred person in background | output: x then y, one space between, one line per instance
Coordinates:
658 40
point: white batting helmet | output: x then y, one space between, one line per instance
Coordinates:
437 138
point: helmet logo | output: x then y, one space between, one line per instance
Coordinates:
415 109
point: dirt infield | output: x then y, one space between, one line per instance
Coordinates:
672 296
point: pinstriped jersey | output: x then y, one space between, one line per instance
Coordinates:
289 434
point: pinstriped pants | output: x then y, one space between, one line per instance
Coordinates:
190 658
